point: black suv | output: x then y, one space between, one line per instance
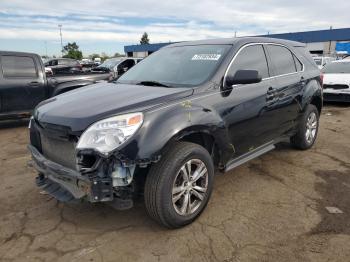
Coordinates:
165 126
64 66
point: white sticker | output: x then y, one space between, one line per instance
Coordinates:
213 57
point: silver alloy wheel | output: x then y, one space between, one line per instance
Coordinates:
189 187
311 127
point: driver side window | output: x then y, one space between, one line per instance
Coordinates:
250 58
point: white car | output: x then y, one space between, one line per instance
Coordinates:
336 81
321 61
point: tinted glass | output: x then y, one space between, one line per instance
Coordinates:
110 63
318 61
298 64
250 58
18 66
64 62
178 66
337 68
282 60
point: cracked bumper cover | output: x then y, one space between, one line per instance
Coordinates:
69 185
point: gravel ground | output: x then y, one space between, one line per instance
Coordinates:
273 208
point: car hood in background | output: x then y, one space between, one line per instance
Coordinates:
336 79
80 108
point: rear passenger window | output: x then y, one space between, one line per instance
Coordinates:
282 59
250 58
18 66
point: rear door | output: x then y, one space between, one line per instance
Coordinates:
287 83
22 83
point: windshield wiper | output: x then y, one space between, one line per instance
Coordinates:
151 83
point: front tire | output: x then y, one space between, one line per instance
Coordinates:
179 186
307 129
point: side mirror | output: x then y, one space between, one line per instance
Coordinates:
244 77
125 69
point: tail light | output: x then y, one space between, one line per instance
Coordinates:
321 77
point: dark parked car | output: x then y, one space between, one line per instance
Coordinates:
64 66
164 127
23 83
117 66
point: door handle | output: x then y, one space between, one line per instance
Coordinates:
270 94
34 83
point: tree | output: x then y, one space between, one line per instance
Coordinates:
93 56
144 39
71 50
104 56
118 55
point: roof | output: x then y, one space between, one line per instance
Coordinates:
144 47
219 41
342 34
15 53
237 40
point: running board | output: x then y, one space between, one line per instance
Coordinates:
249 156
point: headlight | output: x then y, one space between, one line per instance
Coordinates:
108 134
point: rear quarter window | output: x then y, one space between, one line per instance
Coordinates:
282 60
18 66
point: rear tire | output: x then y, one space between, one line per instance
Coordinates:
183 175
307 129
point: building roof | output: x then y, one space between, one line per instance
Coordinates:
342 34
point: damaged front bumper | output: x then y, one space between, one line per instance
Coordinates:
68 185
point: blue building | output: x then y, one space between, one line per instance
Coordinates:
322 42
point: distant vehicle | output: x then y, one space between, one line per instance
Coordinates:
97 60
87 64
24 83
117 66
321 61
48 71
64 66
336 81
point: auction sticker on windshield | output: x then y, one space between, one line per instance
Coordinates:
213 57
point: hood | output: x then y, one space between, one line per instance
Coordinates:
336 79
79 108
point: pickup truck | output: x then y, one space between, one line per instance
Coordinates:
24 84
163 128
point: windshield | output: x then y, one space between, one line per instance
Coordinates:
177 66
337 68
110 63
318 61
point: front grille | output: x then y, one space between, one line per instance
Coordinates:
59 151
336 97
335 86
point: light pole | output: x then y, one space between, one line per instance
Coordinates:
46 48
60 26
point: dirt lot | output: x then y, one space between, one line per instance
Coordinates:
270 209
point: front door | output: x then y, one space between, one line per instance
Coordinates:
22 85
245 106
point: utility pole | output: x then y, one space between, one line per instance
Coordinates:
46 48
235 34
330 42
60 26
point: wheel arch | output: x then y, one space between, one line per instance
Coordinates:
312 95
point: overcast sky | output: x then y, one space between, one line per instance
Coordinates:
108 25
